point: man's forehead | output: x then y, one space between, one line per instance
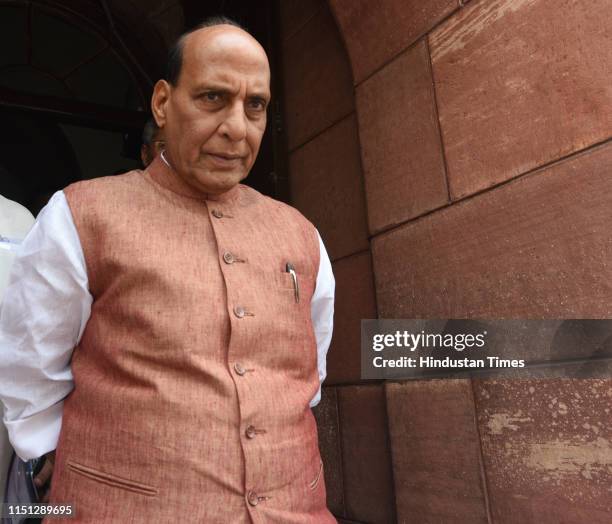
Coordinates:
224 43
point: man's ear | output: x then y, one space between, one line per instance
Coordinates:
159 102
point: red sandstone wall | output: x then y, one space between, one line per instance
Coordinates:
455 157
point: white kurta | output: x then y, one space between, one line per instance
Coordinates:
46 307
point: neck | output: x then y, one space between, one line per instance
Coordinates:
162 172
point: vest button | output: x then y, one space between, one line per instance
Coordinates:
250 432
252 498
239 369
217 214
239 311
228 258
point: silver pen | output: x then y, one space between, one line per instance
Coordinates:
291 270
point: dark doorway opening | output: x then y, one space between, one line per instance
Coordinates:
75 84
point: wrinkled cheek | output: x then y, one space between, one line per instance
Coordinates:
197 135
191 147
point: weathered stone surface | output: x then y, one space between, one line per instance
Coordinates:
327 187
547 448
400 141
435 449
375 32
520 83
317 79
294 14
368 481
538 247
355 300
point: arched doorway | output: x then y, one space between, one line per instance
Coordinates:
73 93
76 78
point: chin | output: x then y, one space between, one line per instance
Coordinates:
220 182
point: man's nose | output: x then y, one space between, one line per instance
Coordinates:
234 125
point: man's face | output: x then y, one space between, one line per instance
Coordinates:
215 116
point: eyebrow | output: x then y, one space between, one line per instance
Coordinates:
225 89
213 87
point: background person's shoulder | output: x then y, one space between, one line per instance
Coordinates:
14 216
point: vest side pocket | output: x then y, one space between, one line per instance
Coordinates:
314 483
112 480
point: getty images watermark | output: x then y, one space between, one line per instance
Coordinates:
455 342
413 348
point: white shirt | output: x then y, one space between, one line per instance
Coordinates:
43 315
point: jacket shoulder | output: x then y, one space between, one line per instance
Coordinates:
97 187
86 196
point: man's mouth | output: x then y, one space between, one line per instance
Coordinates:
226 159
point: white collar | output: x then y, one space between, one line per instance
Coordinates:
164 159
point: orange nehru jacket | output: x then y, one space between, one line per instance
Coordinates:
195 371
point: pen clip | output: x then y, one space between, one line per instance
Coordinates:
291 270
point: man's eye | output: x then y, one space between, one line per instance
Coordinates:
212 97
257 104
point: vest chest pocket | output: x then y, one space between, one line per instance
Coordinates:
284 280
111 480
289 284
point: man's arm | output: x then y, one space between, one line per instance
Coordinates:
43 314
322 314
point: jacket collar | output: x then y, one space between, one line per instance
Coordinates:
162 173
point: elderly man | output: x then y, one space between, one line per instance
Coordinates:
201 312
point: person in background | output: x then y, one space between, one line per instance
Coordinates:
153 142
15 222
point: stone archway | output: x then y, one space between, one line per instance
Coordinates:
431 144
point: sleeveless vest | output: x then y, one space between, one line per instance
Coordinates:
194 373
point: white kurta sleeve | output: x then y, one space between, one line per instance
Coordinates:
43 314
322 314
